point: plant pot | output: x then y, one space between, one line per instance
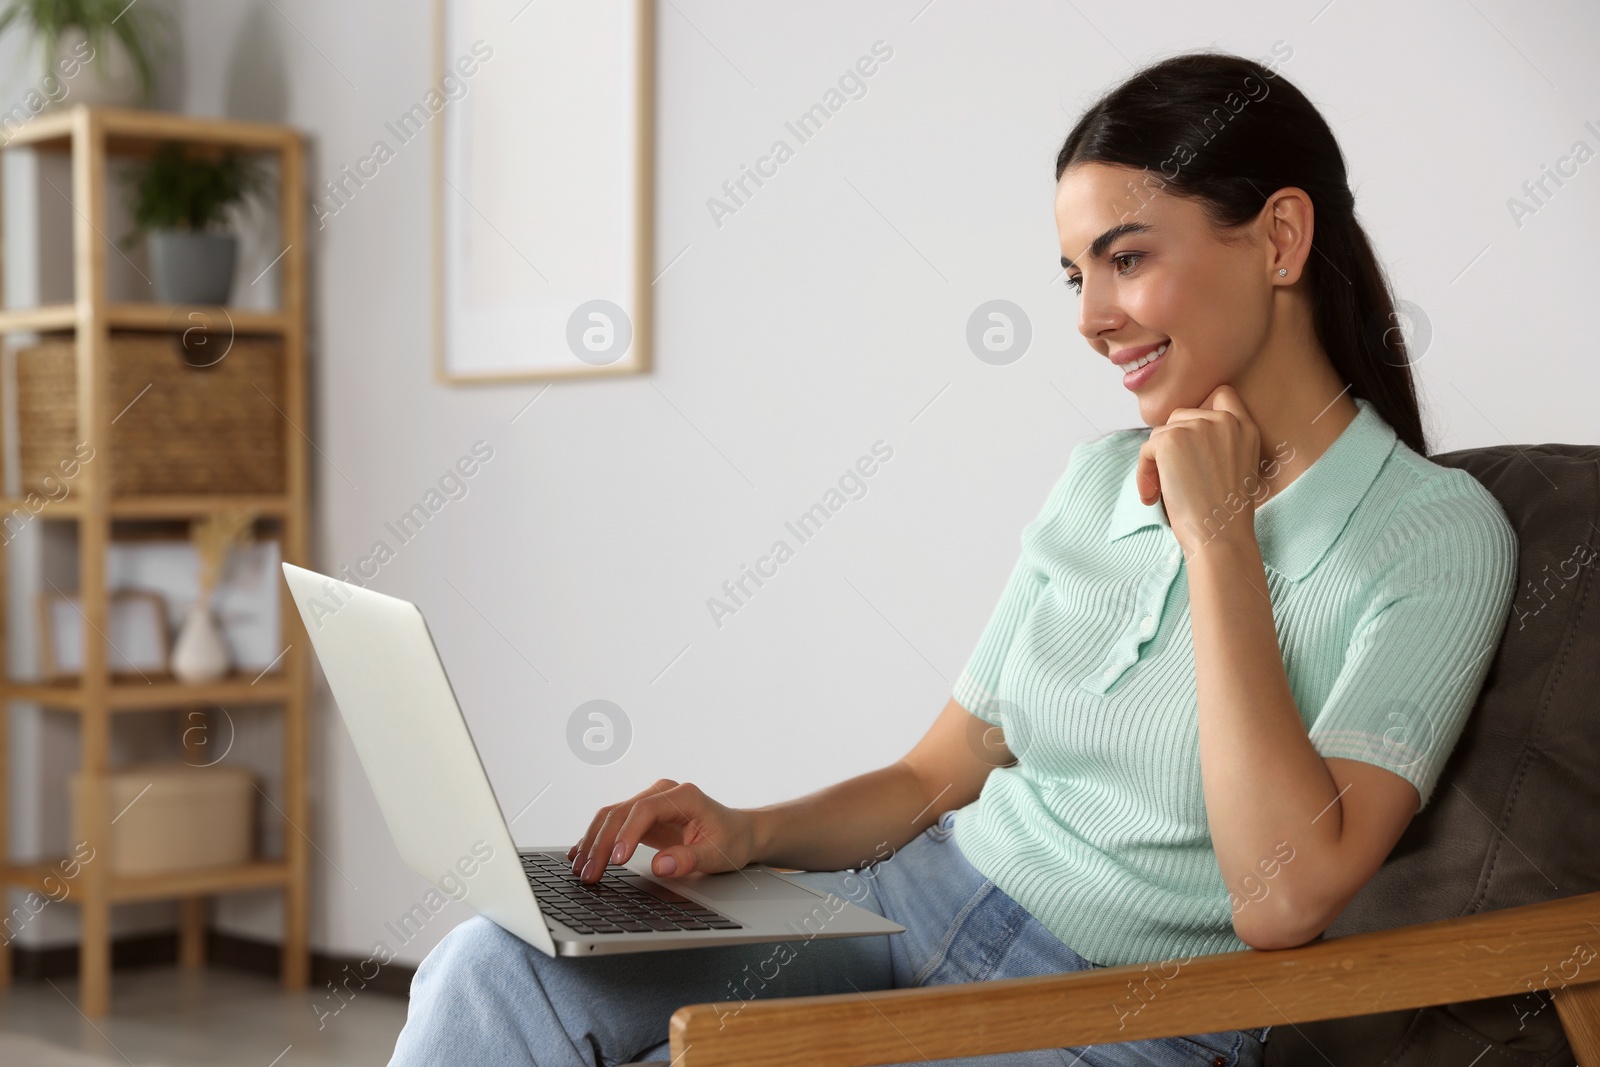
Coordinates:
200 654
192 268
103 75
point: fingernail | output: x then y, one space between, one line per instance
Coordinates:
668 865
577 863
616 853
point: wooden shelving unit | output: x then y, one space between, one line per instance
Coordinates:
89 135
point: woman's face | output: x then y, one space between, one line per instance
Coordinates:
1169 280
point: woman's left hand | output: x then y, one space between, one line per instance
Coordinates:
1203 467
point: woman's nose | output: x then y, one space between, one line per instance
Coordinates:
1097 314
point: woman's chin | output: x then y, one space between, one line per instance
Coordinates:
1153 408
1157 401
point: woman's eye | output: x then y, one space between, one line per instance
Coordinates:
1076 282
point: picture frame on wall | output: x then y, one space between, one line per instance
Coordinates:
542 132
137 642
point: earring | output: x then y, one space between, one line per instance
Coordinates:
1283 272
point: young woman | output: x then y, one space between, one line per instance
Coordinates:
1226 671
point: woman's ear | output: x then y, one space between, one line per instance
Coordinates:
1290 223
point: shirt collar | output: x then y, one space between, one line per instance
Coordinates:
1296 527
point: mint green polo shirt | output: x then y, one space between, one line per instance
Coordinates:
1391 578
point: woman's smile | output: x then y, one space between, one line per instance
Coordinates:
1139 369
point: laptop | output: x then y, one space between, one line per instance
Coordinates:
413 742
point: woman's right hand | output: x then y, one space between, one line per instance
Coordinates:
689 830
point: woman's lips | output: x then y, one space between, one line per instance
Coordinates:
1133 379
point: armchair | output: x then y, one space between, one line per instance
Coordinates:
1480 932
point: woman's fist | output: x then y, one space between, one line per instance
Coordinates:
1202 465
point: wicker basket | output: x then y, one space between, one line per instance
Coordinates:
214 427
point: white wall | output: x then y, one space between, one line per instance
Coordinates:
824 316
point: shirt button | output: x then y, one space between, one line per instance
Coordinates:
1147 626
1176 555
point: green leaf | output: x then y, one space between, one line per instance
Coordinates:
141 28
174 189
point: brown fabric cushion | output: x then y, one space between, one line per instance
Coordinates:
1516 816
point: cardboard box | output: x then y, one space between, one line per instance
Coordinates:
172 817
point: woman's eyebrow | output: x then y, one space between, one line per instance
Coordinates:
1103 242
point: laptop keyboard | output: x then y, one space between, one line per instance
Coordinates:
613 904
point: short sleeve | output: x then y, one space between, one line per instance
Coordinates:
1423 645
978 687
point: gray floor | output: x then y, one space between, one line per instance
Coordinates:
166 1017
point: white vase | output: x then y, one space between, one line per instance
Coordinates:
103 74
200 654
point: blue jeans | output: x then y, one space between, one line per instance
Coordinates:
485 997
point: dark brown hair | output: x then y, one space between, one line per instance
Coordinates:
1227 132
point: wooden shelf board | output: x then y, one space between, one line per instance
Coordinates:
203 880
45 878
138 130
51 129
161 507
147 315
157 507
69 508
38 319
179 317
237 690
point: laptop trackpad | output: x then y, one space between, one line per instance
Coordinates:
739 886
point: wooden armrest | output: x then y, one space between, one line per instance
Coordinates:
1497 953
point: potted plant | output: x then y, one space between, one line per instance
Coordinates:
94 51
180 201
